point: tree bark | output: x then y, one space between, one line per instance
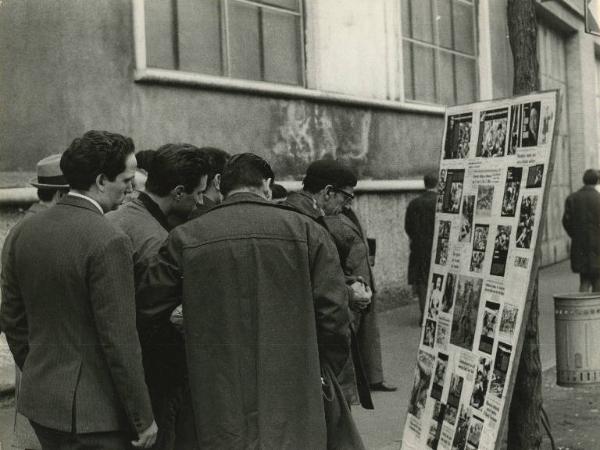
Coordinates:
524 419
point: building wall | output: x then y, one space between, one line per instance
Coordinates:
69 65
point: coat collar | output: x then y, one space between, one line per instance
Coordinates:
305 203
78 202
249 197
154 210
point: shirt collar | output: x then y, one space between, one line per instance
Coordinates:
89 199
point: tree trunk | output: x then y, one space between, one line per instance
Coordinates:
524 419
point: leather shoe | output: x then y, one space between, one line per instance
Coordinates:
383 387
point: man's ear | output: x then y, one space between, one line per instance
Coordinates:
177 192
217 182
101 180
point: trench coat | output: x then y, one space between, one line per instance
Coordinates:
264 301
581 220
351 243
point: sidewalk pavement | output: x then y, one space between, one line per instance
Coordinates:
573 412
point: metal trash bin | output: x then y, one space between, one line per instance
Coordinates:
577 321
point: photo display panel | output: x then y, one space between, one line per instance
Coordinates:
496 157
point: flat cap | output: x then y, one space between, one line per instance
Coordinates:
329 171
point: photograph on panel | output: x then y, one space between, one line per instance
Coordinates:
493 128
458 136
511 191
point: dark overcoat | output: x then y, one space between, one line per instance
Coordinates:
419 223
68 311
264 303
163 349
351 243
581 220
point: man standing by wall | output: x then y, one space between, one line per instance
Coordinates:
265 310
176 179
68 308
419 225
581 220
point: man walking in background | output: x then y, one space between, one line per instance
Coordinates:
68 308
581 220
419 223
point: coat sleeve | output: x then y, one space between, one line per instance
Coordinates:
159 285
411 223
567 219
112 298
13 319
330 297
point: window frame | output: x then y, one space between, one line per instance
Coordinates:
149 75
481 56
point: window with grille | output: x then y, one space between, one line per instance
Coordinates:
439 43
260 40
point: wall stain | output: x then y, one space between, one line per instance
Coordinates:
303 132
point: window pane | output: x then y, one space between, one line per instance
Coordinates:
463 28
444 23
293 5
420 18
407 59
281 47
160 34
405 15
424 77
446 79
244 41
466 80
199 27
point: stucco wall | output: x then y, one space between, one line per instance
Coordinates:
67 66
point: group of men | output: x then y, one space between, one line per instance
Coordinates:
193 313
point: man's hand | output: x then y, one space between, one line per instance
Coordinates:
361 296
146 438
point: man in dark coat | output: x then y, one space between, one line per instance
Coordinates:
176 181
264 304
419 223
68 308
581 220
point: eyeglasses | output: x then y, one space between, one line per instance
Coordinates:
347 195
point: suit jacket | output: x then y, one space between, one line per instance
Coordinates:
581 220
68 312
264 302
419 223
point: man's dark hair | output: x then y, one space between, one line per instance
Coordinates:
217 159
590 177
176 164
278 191
46 195
327 172
245 170
144 159
95 153
430 180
